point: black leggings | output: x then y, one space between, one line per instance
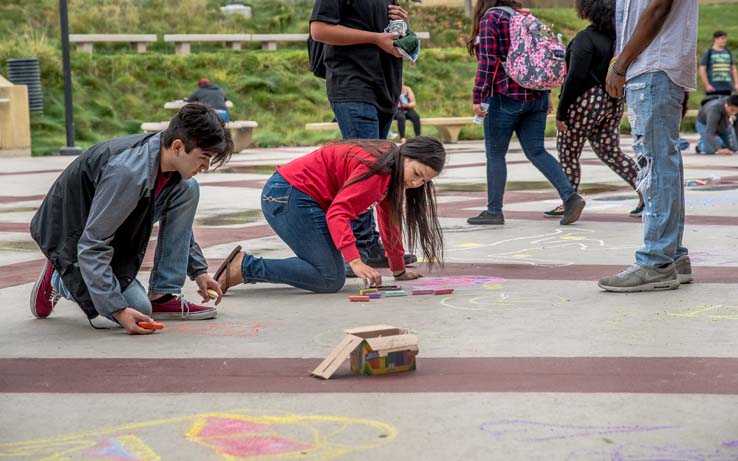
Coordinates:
401 115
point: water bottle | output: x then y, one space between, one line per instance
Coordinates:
477 119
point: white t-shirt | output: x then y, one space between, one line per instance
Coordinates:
674 50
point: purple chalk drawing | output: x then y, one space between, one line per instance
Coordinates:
533 431
110 450
669 452
731 444
454 281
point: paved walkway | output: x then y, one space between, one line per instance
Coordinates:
527 360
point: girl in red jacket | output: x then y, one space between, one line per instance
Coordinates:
311 201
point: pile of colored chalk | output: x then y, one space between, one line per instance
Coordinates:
393 291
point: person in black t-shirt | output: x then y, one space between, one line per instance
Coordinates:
586 112
363 82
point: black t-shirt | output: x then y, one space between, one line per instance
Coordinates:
211 95
362 73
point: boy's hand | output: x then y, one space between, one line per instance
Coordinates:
129 317
386 42
206 282
396 12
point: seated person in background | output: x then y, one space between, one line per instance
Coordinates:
211 95
717 126
405 110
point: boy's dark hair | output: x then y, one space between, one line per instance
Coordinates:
601 13
732 100
197 125
718 34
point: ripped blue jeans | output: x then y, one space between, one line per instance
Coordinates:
654 113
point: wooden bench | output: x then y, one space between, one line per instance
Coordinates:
448 127
242 131
183 42
269 41
85 42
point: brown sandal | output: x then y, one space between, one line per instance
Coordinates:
224 268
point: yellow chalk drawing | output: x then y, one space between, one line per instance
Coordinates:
502 299
709 311
238 435
493 286
468 245
520 256
573 237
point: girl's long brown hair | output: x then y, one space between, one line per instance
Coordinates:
482 7
412 210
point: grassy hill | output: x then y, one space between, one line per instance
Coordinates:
115 90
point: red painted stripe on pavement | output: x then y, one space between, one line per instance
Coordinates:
20 198
15 227
667 375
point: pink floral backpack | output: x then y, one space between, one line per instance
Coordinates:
536 58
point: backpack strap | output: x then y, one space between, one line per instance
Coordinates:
506 9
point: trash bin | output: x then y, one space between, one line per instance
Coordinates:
26 71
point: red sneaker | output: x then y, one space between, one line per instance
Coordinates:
178 308
43 297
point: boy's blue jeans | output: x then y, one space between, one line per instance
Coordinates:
300 222
726 139
654 112
528 120
360 120
175 212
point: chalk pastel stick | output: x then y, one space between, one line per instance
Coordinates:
151 325
388 287
359 299
212 294
422 292
392 294
367 291
374 295
443 291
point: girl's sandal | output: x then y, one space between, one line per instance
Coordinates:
225 267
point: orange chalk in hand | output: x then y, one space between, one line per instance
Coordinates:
151 325
359 299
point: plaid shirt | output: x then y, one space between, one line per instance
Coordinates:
494 41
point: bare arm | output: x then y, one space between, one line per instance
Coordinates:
648 27
411 98
735 78
336 34
703 76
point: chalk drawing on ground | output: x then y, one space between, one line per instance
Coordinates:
536 249
493 299
621 443
238 435
709 312
455 281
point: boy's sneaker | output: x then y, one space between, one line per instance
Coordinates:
572 209
487 218
178 308
557 212
639 278
43 296
683 267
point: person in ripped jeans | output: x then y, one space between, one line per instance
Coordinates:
657 77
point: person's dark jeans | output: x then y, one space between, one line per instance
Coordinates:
528 120
300 222
359 120
402 115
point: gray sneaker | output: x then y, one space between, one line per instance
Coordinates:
684 269
638 278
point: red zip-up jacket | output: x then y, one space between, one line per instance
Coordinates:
322 173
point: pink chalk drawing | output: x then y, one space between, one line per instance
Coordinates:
237 435
455 281
244 439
